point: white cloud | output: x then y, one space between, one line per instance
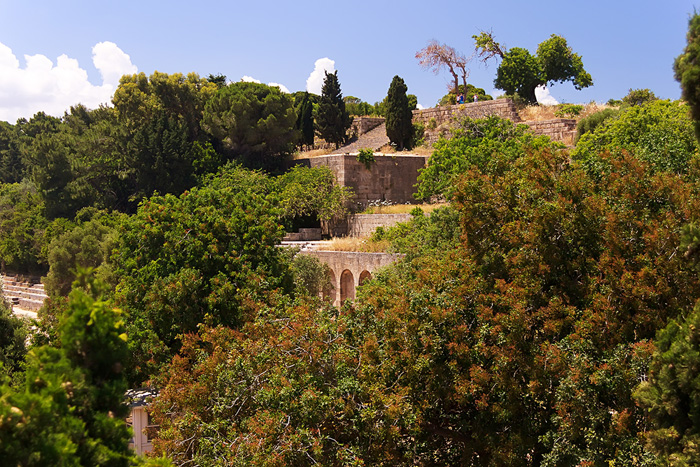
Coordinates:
282 87
43 86
250 79
419 107
112 62
544 97
315 81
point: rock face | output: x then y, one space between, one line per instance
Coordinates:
25 292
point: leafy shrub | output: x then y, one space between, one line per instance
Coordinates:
591 122
659 132
418 135
639 97
366 156
568 110
490 144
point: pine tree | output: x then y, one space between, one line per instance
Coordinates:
399 127
332 120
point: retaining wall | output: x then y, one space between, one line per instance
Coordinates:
389 178
558 129
362 125
364 225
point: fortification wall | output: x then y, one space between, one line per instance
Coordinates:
438 120
558 129
361 125
389 178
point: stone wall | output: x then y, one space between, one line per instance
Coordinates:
558 129
361 125
389 178
437 120
364 225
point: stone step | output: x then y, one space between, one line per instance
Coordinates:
24 294
29 304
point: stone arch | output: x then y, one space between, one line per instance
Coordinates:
347 286
364 276
330 292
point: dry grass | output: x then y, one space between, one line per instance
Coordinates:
402 208
360 244
417 151
546 112
312 153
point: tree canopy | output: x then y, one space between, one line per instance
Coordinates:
253 121
520 72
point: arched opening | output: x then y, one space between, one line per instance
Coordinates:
347 286
329 292
364 276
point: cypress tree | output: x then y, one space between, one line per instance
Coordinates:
305 120
332 120
399 127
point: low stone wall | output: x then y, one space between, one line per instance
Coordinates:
304 235
558 129
364 225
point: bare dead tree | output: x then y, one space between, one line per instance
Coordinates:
436 56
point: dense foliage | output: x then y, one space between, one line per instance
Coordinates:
687 70
199 257
658 132
68 409
253 120
489 144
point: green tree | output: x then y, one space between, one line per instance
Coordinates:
13 334
520 72
659 132
253 121
310 192
12 165
399 126
638 97
22 228
69 409
670 395
305 119
687 70
332 120
204 256
87 245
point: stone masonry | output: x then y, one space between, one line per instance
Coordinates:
390 178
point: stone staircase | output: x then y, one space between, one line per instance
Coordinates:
373 139
25 293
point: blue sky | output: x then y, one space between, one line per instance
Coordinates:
624 44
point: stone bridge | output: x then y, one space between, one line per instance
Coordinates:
349 269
